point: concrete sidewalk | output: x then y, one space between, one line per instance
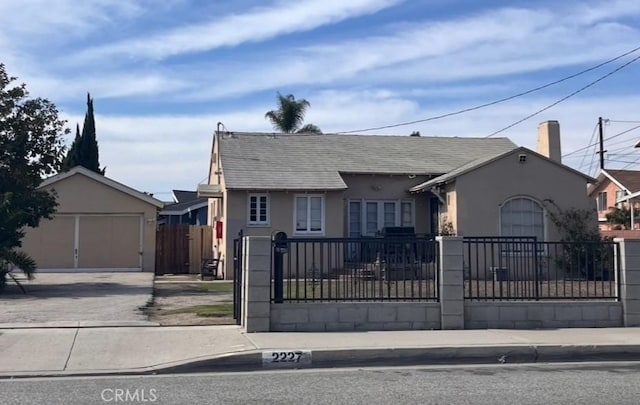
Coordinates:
143 349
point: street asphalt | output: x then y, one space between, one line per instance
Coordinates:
586 383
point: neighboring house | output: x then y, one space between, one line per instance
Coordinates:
356 185
186 209
617 189
99 224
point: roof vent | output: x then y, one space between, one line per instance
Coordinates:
522 158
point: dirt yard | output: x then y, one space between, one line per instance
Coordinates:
184 300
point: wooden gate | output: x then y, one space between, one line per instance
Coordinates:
180 249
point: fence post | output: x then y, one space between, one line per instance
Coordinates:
629 280
451 282
280 247
256 284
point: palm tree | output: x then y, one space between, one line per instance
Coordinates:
289 116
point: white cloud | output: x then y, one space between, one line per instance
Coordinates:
258 24
490 44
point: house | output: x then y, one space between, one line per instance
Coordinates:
99 224
186 209
356 185
617 189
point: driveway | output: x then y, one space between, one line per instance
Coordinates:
78 299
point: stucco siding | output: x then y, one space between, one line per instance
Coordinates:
481 192
80 194
389 188
100 212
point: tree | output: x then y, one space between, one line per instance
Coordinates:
31 147
584 251
73 155
415 133
289 116
84 150
619 218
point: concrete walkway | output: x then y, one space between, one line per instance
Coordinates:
128 350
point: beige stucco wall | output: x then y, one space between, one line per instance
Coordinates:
281 205
480 193
387 187
78 195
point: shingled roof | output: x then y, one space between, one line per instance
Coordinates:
314 162
630 179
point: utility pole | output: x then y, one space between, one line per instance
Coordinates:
602 151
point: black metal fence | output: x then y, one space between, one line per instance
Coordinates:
355 269
522 268
237 278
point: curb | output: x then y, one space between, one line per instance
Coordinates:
387 357
252 360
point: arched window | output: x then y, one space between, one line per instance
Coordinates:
522 217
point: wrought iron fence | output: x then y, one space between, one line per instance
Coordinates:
355 269
522 268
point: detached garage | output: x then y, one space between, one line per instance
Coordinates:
100 224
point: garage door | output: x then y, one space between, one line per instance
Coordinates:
109 241
52 243
86 242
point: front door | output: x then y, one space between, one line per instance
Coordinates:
434 211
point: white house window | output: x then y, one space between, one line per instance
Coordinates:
309 214
602 201
619 195
406 213
377 215
258 209
522 217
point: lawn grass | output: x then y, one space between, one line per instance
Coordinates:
224 288
214 310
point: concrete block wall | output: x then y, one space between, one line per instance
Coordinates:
354 316
536 315
256 284
452 312
630 280
451 282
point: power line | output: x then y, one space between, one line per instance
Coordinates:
621 161
465 110
631 164
626 122
593 135
611 137
564 98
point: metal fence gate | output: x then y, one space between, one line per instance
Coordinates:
237 279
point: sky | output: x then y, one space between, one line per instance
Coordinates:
163 74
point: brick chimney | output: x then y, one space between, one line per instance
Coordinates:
549 140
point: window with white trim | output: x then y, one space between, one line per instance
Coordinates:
619 195
258 209
309 214
368 217
602 201
522 217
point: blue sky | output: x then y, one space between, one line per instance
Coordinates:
163 73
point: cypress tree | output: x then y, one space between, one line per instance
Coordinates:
73 154
84 150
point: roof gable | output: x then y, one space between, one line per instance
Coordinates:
628 179
314 162
478 163
79 170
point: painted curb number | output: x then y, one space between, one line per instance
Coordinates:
286 358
